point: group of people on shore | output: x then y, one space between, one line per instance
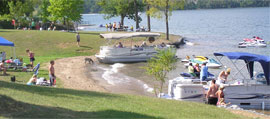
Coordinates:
33 25
215 93
4 61
117 27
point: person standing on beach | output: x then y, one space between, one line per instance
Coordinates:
211 93
204 72
78 39
31 57
52 73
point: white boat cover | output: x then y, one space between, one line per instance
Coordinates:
110 36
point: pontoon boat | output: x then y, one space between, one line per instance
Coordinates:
111 54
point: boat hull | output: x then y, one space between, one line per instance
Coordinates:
254 96
123 59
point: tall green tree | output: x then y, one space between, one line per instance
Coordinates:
4 7
122 8
160 8
21 10
66 10
44 13
148 14
160 65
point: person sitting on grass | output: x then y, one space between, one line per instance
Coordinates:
32 80
3 68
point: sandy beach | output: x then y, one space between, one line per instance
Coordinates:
71 72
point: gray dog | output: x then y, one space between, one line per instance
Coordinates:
89 60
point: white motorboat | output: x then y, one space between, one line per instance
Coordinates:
245 93
186 89
249 93
112 54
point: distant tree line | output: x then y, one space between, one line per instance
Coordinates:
91 6
214 4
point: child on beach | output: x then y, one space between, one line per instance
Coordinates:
31 57
52 73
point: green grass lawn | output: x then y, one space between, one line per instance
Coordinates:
18 100
47 45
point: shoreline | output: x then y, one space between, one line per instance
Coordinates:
82 77
74 73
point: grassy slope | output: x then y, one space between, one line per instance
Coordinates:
17 100
48 46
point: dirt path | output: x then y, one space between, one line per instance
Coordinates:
71 71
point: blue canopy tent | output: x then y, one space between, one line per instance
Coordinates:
249 60
4 42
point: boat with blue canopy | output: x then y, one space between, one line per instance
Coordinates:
248 93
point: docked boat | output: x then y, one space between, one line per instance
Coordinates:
112 54
253 92
247 93
255 42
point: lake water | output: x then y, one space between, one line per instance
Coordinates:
214 30
217 30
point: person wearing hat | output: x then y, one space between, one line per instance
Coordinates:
204 72
223 75
220 94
